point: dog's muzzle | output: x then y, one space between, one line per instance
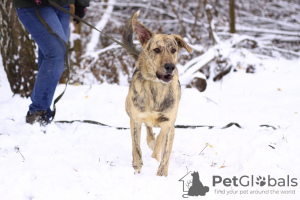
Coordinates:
167 77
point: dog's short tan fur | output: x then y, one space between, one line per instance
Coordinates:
153 97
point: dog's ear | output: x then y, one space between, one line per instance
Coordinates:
182 44
141 31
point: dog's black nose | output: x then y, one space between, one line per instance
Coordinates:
169 67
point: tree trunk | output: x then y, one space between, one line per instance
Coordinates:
232 16
17 50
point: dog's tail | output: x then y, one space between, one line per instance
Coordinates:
127 37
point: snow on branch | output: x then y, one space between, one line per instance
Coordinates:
91 46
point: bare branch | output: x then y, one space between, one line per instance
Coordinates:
178 17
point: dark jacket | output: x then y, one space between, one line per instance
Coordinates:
30 3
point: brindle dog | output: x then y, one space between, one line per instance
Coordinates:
154 91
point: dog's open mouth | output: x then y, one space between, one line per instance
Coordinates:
165 78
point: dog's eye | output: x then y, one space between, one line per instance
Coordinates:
156 50
173 50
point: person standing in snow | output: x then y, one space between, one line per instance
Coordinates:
51 50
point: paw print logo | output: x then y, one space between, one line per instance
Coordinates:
261 181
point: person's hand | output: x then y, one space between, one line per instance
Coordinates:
41 2
79 12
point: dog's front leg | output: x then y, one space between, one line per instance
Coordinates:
150 137
166 148
158 143
136 149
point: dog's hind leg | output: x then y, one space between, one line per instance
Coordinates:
167 144
150 138
136 149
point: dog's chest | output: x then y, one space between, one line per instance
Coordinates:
153 97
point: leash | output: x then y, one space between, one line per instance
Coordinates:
176 126
128 48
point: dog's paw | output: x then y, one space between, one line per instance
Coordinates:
162 172
137 171
151 144
137 168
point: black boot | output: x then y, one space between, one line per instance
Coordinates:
38 116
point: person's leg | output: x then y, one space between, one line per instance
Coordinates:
64 19
51 53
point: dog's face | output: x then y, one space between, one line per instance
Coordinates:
160 53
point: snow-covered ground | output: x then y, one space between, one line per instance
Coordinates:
85 161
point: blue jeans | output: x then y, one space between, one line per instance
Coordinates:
51 51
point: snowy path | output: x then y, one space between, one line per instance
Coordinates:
83 161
